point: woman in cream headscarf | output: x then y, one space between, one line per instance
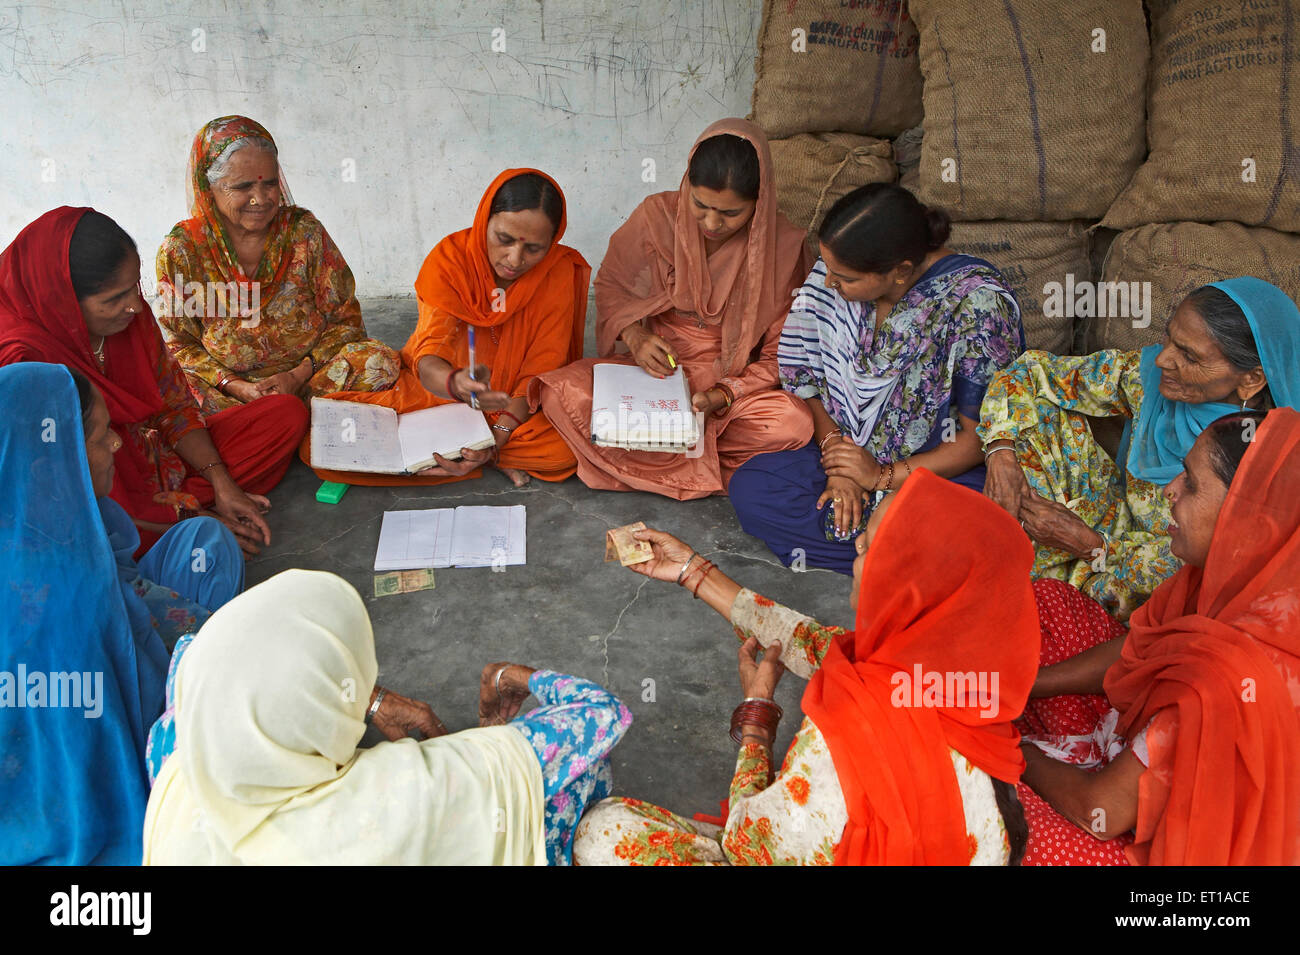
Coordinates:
266 767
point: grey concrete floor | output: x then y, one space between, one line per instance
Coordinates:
567 610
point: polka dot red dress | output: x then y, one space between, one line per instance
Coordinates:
1071 623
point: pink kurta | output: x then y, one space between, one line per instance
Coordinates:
762 419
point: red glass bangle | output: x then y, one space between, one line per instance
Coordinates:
450 375
756 712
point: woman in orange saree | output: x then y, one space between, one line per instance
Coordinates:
507 277
700 278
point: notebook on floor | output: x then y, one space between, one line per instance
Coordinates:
354 436
634 410
452 537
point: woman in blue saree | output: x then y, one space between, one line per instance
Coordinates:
891 341
82 661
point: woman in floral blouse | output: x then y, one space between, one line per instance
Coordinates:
886 767
890 343
255 298
1098 516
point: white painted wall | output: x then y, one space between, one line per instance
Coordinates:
102 99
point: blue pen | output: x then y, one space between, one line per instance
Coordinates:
473 398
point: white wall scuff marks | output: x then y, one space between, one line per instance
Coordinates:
391 117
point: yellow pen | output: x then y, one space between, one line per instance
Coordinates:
672 361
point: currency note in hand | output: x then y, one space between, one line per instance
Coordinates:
620 542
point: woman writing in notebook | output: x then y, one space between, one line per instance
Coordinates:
507 283
698 279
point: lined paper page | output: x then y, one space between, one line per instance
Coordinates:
490 536
412 540
351 436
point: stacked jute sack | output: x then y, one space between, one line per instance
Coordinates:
1033 125
1219 194
834 81
1033 130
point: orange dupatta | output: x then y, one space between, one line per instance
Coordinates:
945 586
457 286
1219 646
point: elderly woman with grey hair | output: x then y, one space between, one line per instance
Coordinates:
255 298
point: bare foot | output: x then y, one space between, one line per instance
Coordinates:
518 477
496 709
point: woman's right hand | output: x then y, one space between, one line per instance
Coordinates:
1005 483
462 386
649 350
846 496
669 555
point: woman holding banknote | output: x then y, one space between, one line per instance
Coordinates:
507 284
872 776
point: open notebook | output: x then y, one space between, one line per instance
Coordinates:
452 537
352 436
634 410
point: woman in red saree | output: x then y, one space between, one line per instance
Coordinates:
1195 744
889 767
525 295
70 295
699 278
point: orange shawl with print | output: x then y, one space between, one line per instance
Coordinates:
968 609
1219 646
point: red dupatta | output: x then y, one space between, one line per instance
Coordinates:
1219 646
41 320
945 586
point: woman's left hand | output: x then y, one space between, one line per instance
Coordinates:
845 459
242 513
760 679
1052 524
709 401
398 715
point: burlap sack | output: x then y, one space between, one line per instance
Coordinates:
852 69
1025 117
1176 258
1221 123
1030 255
815 169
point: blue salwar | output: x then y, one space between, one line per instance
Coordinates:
191 571
572 732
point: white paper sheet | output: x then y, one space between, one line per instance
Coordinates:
412 540
350 436
633 409
445 430
489 536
